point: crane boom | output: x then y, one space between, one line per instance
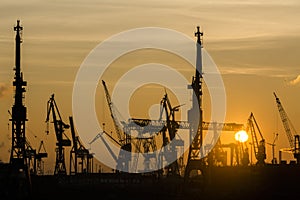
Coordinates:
294 139
259 147
113 115
124 140
288 126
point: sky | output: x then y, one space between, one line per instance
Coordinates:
253 43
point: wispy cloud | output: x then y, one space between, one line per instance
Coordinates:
295 81
3 89
268 71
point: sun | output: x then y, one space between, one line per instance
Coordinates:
241 136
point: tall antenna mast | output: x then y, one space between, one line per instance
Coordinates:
17 157
195 113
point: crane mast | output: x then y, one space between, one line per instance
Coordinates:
59 127
293 138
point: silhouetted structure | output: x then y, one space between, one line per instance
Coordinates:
259 146
17 156
123 139
81 160
39 158
234 182
172 127
20 167
59 127
293 137
195 116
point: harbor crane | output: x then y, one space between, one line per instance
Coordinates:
34 158
293 137
123 138
30 154
155 126
62 139
172 127
81 160
39 156
259 145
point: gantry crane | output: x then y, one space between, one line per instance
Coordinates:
79 155
259 145
172 127
293 138
169 125
143 126
39 156
30 154
62 139
154 126
149 145
124 139
34 158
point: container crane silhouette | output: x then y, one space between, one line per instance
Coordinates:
172 127
62 139
259 146
124 140
293 137
81 160
168 129
41 153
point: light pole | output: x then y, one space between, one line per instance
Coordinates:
250 153
241 137
274 160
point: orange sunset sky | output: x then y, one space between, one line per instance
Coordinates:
254 44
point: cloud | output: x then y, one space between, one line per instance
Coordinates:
295 81
3 89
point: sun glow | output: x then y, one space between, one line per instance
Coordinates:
241 136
